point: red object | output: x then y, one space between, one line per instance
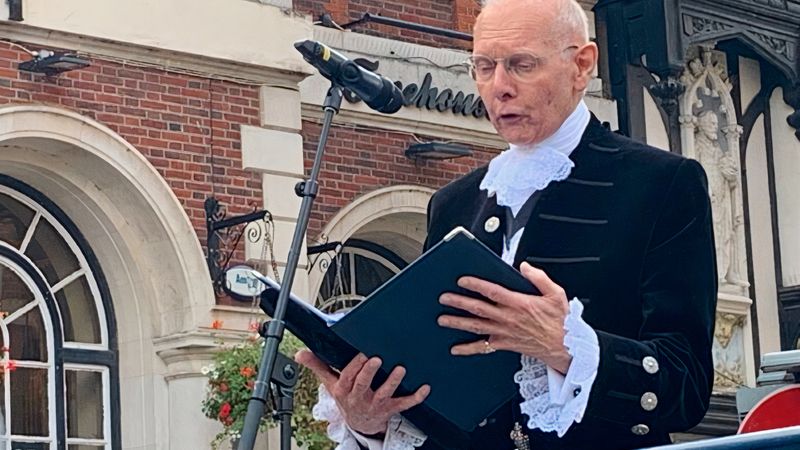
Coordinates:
225 411
779 409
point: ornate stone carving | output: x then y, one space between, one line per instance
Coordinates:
711 135
667 91
723 182
724 327
778 45
772 3
694 25
792 98
728 360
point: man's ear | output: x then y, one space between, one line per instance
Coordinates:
586 60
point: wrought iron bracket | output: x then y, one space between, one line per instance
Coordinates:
218 258
323 254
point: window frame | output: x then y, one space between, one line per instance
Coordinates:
366 249
102 357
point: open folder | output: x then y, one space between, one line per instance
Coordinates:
398 323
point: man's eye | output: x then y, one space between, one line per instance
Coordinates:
523 66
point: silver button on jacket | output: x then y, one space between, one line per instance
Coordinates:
650 365
491 225
640 430
649 401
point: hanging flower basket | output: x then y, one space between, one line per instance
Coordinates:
230 383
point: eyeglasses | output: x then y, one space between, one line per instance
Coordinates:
521 66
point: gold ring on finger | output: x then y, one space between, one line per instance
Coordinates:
487 347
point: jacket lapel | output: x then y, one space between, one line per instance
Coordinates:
585 165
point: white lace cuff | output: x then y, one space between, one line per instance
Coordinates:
552 401
326 409
400 433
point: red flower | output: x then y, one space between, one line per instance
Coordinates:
254 326
217 324
10 365
225 411
247 371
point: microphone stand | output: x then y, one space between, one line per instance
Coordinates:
274 329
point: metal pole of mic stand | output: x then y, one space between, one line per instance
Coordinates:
308 191
283 413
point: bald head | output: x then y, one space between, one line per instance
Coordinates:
528 101
566 19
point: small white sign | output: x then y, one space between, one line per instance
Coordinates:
240 281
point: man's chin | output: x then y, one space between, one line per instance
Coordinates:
520 141
517 135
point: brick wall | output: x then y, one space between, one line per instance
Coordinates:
448 14
360 160
186 126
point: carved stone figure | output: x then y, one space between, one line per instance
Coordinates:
723 180
724 327
710 134
728 360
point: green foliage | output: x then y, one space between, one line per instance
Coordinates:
230 383
309 433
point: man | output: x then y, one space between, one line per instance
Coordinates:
622 229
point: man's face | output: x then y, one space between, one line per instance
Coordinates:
525 111
710 125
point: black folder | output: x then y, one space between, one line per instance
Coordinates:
398 323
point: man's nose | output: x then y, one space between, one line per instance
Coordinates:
503 84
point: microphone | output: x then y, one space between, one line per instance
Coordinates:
378 92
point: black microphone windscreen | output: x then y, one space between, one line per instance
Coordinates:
390 99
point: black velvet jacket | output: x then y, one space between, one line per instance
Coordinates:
630 234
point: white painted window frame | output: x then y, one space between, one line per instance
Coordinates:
104 443
84 269
47 321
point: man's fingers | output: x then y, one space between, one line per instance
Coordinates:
474 348
325 374
403 403
477 307
473 325
363 382
390 385
492 291
543 283
349 373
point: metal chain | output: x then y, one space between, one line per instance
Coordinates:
266 245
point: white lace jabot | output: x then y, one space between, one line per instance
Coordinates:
520 171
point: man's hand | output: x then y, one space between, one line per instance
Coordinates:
365 411
528 324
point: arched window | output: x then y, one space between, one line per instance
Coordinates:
59 386
357 270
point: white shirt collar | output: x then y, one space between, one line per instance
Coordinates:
518 172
